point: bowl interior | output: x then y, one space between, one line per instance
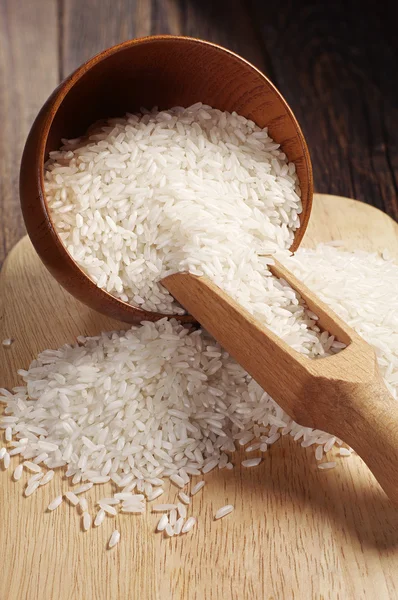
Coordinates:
167 72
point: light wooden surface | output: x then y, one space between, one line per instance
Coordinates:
296 533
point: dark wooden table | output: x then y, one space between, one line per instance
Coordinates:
334 61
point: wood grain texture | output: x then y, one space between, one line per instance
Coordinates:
28 73
89 27
296 532
333 63
226 22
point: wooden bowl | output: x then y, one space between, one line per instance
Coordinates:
165 71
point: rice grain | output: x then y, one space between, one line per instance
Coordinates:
114 539
223 511
55 503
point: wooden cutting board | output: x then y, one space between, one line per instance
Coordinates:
296 533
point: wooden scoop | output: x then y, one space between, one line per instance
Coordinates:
342 394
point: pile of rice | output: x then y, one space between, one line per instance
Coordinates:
187 189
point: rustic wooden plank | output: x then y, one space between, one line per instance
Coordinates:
28 74
93 25
334 64
225 22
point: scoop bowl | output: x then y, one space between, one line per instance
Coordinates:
165 71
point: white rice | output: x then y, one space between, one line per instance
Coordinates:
18 473
30 489
99 517
131 202
366 301
109 501
72 498
362 288
134 498
155 494
31 466
47 477
196 488
82 488
177 480
253 447
86 521
100 479
55 503
36 477
163 507
163 521
182 511
188 525
223 511
184 497
6 460
319 453
83 504
123 496
184 191
173 517
327 465
110 510
251 462
345 452
178 526
114 539
14 451
210 466
134 509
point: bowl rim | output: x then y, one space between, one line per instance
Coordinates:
58 97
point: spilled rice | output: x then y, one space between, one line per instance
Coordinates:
186 189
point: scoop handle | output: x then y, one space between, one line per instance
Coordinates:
370 427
